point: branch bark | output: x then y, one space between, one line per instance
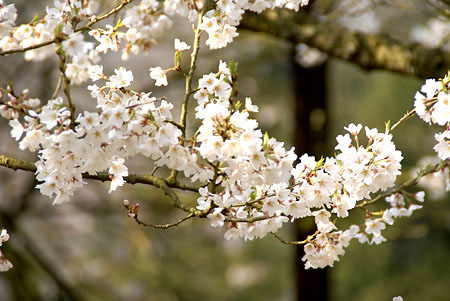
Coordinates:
368 51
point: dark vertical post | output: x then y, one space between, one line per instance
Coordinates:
310 128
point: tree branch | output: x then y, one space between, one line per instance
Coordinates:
16 164
11 221
302 242
165 226
442 5
411 182
47 265
368 51
189 78
35 46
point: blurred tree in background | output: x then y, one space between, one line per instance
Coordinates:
89 250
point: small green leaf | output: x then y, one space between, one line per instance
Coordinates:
150 115
119 24
233 67
178 58
237 105
58 29
319 163
266 139
35 18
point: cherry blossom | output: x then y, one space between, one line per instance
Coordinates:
248 182
5 264
158 74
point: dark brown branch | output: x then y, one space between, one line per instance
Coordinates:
47 265
11 220
368 51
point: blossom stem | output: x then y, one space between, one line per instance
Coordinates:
58 87
63 59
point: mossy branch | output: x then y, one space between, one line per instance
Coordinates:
368 51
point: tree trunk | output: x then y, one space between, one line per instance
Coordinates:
310 111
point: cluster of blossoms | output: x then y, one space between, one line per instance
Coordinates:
258 188
145 22
8 15
5 264
324 251
59 21
247 181
433 106
128 123
12 104
254 186
398 208
220 23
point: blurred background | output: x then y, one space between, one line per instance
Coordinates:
88 249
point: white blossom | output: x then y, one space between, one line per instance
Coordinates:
121 79
159 75
216 218
180 45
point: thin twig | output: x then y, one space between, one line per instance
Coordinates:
302 242
106 15
248 219
255 200
58 87
405 117
166 226
63 59
179 126
411 182
189 78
